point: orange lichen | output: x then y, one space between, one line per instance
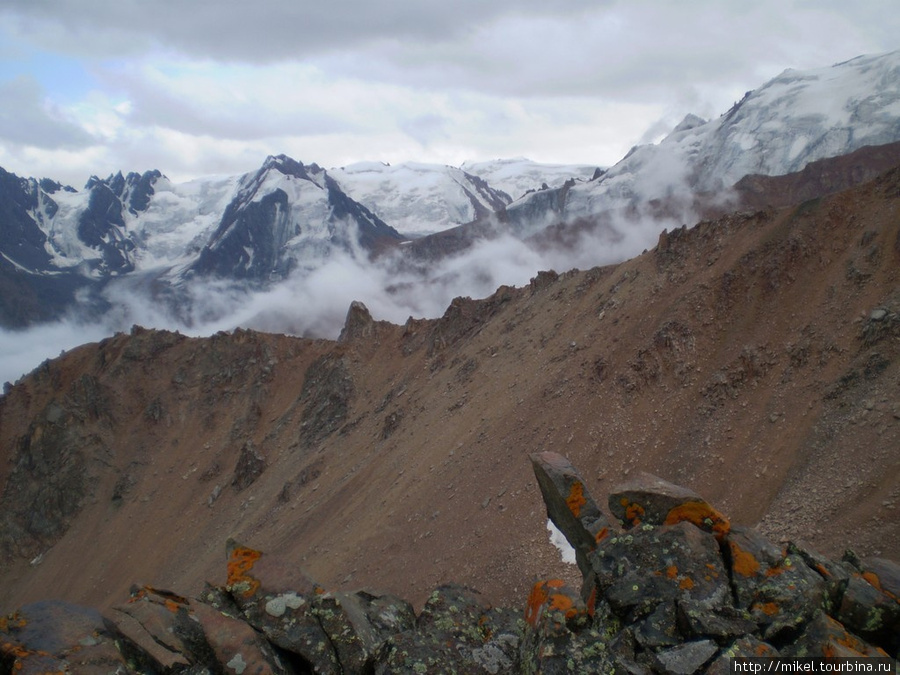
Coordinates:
536 600
768 608
743 562
601 535
541 597
671 571
576 498
563 603
702 515
634 513
592 602
820 568
873 579
14 620
775 571
686 584
239 566
172 606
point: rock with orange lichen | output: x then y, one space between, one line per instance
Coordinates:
883 574
752 559
640 568
779 590
560 635
651 500
556 599
570 505
276 598
835 574
825 637
870 612
56 637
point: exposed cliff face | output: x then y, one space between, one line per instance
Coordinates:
753 359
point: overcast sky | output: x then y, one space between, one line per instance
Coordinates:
196 87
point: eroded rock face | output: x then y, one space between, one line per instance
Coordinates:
662 594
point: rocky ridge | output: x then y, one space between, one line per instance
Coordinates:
669 586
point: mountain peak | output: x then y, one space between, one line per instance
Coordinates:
286 165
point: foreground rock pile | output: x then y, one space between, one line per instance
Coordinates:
669 587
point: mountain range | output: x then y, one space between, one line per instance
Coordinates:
62 248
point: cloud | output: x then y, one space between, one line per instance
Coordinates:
265 32
28 118
313 303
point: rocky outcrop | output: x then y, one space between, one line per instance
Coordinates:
672 587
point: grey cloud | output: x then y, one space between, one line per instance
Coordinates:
236 119
25 119
259 32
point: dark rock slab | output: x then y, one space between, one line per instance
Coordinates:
869 612
825 637
570 505
358 624
745 647
686 658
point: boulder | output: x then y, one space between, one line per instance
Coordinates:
638 569
869 612
648 499
276 598
825 637
570 506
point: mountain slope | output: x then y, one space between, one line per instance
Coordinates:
753 358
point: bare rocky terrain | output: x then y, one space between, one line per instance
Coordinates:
752 358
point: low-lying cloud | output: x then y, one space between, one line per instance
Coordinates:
314 303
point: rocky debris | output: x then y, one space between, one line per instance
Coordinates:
664 594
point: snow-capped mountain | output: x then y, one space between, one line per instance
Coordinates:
283 216
254 225
420 199
796 118
518 176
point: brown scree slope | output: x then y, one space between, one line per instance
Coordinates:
753 359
